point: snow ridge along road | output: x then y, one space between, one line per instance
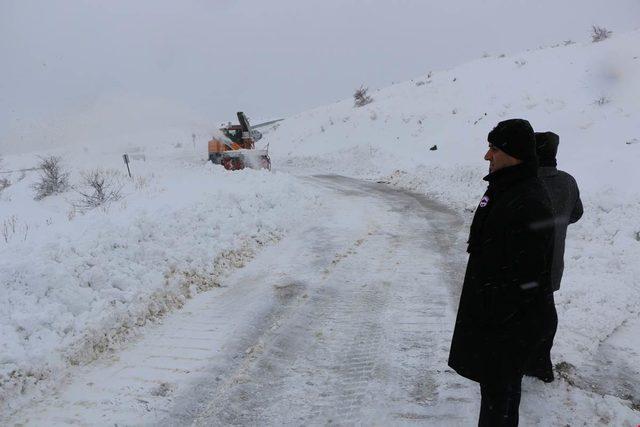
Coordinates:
346 321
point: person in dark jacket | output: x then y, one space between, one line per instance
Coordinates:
506 307
564 194
567 209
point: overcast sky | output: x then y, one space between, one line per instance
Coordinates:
211 58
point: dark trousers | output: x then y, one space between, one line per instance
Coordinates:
500 403
539 364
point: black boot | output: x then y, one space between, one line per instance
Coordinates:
540 366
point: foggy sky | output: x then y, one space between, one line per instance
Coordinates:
212 58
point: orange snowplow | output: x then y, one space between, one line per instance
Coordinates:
234 148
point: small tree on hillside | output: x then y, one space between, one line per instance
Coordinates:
361 98
53 179
100 187
4 183
599 33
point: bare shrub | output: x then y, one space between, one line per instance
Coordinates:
599 33
53 179
4 183
602 101
141 182
100 187
361 98
72 213
10 229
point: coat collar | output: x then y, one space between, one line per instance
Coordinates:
547 171
507 176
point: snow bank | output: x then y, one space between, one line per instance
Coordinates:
75 284
429 135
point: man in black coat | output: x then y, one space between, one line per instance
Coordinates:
567 209
506 307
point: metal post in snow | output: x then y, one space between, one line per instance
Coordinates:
125 157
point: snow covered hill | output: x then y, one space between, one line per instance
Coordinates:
587 93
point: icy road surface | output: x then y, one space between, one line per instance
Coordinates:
347 320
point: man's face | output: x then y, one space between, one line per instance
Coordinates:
498 159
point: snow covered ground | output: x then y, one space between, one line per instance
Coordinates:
79 283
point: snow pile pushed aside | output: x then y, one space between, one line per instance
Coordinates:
74 284
429 135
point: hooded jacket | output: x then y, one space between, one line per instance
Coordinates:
565 198
567 209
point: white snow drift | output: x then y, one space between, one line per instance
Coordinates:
74 284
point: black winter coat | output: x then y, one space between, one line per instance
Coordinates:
567 209
506 306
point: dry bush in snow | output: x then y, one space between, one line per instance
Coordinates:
99 187
599 33
141 182
10 229
361 98
4 183
53 179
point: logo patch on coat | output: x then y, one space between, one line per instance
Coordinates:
484 202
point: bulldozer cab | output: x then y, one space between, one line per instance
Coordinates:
241 133
233 132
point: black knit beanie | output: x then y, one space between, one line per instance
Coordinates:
516 138
547 148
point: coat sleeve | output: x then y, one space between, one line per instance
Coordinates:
577 211
523 271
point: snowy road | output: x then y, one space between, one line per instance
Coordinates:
345 321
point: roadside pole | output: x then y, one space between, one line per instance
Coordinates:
125 157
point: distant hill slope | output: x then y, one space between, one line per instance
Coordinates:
587 93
